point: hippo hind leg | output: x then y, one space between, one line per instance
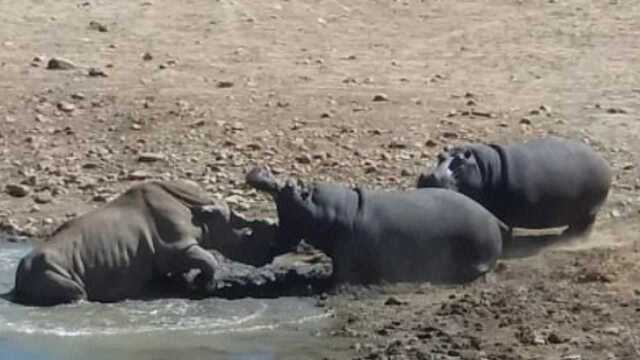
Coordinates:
51 289
580 228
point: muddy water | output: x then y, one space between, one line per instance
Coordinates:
248 329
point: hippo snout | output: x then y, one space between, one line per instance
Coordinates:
428 181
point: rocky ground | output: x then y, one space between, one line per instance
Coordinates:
100 94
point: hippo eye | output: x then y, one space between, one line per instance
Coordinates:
467 154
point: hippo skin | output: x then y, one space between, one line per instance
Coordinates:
153 230
544 183
431 235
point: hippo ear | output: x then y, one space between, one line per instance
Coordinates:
441 158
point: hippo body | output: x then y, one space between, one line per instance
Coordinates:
114 252
539 184
419 235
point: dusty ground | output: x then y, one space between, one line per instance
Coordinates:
209 88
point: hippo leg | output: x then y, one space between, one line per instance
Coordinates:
53 289
580 228
195 257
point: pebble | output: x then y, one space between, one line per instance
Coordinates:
66 106
304 159
571 357
151 157
43 198
60 64
612 330
94 25
17 190
224 84
394 301
138 175
380 97
96 72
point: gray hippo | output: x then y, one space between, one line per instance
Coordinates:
543 183
372 236
153 230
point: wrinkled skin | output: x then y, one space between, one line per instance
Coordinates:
540 184
153 230
372 236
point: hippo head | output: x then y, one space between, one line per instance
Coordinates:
316 213
457 169
234 236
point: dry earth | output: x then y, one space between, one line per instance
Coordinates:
364 91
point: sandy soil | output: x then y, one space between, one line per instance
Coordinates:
362 92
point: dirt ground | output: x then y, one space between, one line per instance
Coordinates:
364 91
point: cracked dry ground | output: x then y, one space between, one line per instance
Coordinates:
360 92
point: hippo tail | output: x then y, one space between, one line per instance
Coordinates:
507 234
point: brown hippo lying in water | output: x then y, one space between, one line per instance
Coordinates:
114 252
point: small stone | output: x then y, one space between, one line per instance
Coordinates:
616 111
224 84
525 121
449 135
612 330
571 357
198 123
380 97
136 126
150 157
405 172
90 166
538 340
304 159
43 198
42 119
138 175
431 143
99 198
147 56
97 72
60 64
66 106
237 126
17 190
94 25
78 96
554 338
394 301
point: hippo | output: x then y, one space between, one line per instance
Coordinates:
432 235
544 183
155 229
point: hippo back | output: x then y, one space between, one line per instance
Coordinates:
552 174
425 234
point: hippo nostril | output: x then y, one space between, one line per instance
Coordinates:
426 181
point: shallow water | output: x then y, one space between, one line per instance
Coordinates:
248 329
